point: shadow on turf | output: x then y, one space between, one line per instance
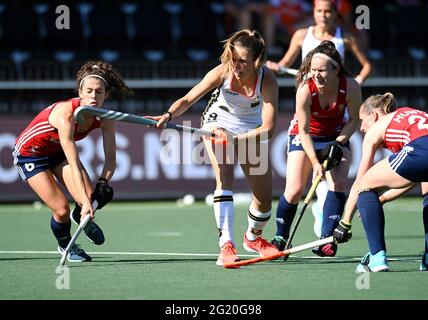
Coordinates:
138 261
31 258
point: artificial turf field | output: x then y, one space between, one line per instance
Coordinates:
160 251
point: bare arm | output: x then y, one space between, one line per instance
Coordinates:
269 110
292 53
366 69
372 141
303 111
353 102
62 119
109 144
211 80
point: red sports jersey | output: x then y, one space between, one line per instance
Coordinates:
407 125
328 121
41 139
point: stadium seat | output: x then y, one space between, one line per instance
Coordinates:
199 38
153 39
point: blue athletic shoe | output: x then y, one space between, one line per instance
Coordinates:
92 231
318 215
373 263
76 254
424 263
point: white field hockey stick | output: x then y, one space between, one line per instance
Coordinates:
287 252
126 117
285 70
76 234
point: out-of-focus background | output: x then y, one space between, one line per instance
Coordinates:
162 48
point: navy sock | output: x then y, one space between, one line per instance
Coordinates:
425 219
332 212
373 219
61 232
284 217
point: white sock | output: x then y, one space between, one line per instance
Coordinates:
321 191
224 215
256 222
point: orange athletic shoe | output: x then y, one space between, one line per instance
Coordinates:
227 254
260 246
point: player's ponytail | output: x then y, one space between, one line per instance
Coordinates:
385 103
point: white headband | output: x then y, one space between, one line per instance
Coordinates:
325 57
92 75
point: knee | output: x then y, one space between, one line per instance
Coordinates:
61 212
293 195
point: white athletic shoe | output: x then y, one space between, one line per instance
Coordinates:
318 215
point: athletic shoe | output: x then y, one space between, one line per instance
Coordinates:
326 250
424 263
373 263
279 242
76 254
92 231
318 215
227 254
260 246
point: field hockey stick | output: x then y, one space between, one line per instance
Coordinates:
289 71
287 252
126 117
308 199
76 234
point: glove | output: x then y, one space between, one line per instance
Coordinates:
333 152
343 232
103 193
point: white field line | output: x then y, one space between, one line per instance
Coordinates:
188 255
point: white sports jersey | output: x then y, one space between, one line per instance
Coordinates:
310 42
232 110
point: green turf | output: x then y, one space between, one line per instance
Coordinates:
166 228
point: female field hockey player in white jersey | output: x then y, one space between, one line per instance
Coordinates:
304 40
243 105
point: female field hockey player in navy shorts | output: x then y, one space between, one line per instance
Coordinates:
324 92
45 155
405 133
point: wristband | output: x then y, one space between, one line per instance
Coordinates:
169 115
